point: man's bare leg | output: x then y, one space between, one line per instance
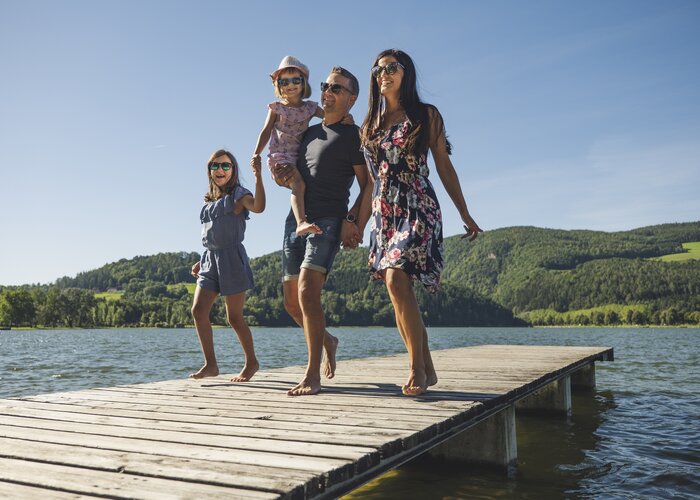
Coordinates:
309 290
330 343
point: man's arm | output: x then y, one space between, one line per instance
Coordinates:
351 233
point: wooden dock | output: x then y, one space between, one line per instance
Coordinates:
214 439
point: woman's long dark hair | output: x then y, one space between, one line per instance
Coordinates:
416 110
215 192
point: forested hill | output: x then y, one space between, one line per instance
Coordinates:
542 276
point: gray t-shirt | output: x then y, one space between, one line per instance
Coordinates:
326 157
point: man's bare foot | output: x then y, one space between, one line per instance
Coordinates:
416 384
308 227
330 346
206 371
246 373
307 387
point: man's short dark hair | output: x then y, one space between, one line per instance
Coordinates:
354 84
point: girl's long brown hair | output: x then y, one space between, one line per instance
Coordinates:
418 138
215 192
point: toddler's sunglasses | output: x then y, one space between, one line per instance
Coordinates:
390 69
297 80
336 88
225 166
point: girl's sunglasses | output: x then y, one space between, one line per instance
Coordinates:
336 88
283 82
225 166
390 69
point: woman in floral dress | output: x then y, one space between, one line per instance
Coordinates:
406 223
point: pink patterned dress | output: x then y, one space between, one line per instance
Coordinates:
288 131
406 221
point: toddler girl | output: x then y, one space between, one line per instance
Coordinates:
287 120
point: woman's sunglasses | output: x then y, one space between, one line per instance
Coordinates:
390 69
225 166
336 88
283 82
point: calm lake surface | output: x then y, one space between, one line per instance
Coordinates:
636 436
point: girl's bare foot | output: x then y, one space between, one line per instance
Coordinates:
417 383
206 371
330 346
308 227
307 387
246 373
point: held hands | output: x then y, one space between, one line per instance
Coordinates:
256 165
350 236
471 227
195 270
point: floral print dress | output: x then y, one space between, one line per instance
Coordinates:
406 222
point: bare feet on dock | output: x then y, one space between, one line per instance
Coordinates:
246 373
416 384
308 227
206 371
307 387
330 346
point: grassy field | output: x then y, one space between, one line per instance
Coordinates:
109 295
190 287
693 252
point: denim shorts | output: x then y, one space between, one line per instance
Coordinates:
310 251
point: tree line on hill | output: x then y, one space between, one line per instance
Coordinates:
507 277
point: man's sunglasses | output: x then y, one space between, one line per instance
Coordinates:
336 88
297 80
225 166
390 69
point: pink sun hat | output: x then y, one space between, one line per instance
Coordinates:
291 62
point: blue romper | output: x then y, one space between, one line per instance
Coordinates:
224 265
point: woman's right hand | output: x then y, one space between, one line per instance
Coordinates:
471 227
195 270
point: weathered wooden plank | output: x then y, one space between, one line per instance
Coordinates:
298 418
319 465
306 448
264 478
94 482
376 440
14 491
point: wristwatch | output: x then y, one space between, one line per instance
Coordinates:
350 217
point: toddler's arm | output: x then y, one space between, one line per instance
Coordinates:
264 136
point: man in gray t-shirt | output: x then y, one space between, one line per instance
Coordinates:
329 161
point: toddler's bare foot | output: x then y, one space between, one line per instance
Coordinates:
206 371
247 372
308 227
307 387
417 383
330 346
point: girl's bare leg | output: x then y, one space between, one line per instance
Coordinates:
234 314
201 307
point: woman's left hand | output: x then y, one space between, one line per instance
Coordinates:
472 228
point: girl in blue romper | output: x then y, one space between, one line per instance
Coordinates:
224 268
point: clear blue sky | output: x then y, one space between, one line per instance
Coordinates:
563 114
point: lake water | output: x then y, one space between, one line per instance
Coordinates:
636 436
